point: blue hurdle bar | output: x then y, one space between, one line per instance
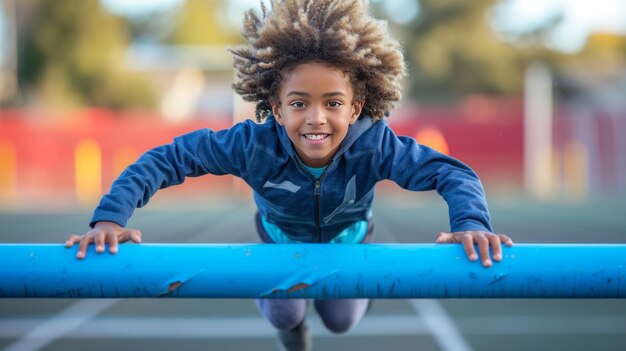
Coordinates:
312 271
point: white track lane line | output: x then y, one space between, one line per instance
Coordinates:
210 327
167 327
60 324
69 319
443 328
435 318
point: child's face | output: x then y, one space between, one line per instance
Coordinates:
316 108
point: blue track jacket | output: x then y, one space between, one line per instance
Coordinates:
306 209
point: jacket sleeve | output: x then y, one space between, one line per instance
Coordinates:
417 167
190 155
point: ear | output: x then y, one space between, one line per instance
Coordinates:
277 114
357 108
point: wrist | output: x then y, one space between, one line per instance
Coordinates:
106 224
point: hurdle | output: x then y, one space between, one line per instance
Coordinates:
319 271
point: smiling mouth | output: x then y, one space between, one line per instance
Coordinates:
316 136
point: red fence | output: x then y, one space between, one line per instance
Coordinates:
492 144
38 156
44 151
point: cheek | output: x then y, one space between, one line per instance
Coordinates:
292 129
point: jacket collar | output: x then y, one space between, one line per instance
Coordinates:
362 124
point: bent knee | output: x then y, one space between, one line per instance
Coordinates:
339 316
282 314
340 325
285 322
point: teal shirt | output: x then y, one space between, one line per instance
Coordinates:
354 234
316 172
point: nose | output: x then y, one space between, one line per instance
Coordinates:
316 116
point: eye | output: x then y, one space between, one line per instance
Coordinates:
297 104
334 103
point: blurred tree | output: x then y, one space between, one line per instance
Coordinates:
604 53
453 51
201 22
72 54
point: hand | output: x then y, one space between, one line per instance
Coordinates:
483 239
103 232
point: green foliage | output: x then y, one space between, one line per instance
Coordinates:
453 51
199 22
73 55
72 52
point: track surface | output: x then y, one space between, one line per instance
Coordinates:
204 324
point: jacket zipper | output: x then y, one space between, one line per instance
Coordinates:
316 196
316 203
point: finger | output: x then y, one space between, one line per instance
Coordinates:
82 246
130 234
506 240
443 238
99 241
71 240
468 245
135 236
483 248
113 243
496 246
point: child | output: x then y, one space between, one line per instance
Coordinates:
324 74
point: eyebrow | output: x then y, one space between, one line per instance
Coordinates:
301 93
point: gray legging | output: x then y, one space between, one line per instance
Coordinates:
338 315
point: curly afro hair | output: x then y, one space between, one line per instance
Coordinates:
339 32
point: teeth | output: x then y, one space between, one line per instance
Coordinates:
316 136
